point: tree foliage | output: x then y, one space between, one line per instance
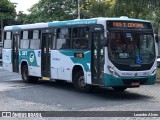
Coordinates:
53 10
94 8
7 11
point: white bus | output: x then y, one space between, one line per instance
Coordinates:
109 52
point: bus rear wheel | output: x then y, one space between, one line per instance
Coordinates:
119 89
79 82
25 75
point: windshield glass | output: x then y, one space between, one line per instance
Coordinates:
131 48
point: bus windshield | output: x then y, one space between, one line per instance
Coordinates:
131 48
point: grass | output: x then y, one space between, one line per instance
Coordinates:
158 73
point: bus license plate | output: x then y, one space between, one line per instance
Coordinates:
135 83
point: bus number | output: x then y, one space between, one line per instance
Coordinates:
24 53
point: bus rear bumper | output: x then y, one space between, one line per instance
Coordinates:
111 81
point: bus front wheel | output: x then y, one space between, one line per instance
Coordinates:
79 82
25 75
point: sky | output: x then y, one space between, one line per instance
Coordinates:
23 5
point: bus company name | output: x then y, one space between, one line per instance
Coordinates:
56 59
127 74
128 25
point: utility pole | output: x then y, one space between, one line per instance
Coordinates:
1 40
79 10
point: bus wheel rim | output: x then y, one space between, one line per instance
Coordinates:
81 81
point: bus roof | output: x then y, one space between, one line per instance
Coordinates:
68 23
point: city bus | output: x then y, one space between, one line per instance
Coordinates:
108 52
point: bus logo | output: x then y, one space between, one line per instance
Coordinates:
31 57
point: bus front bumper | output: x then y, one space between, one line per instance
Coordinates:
111 81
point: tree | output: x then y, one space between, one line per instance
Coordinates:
7 13
96 8
143 9
52 10
133 9
7 10
21 18
101 9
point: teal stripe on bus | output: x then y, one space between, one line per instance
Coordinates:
76 60
72 22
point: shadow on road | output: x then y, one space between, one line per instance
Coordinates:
104 93
64 95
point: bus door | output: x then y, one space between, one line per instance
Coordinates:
46 51
97 59
15 59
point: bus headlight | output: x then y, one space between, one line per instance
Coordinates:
154 71
113 72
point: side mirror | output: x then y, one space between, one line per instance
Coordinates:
106 39
105 42
156 38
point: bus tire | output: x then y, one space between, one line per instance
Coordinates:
119 89
79 82
25 75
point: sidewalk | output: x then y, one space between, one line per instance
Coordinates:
158 80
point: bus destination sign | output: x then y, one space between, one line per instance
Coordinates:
128 24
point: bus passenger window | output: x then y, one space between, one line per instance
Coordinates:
84 44
75 32
24 43
80 44
63 38
7 40
35 40
80 38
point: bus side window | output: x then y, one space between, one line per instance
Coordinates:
35 39
7 40
63 38
24 44
80 38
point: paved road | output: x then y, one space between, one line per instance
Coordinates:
50 96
